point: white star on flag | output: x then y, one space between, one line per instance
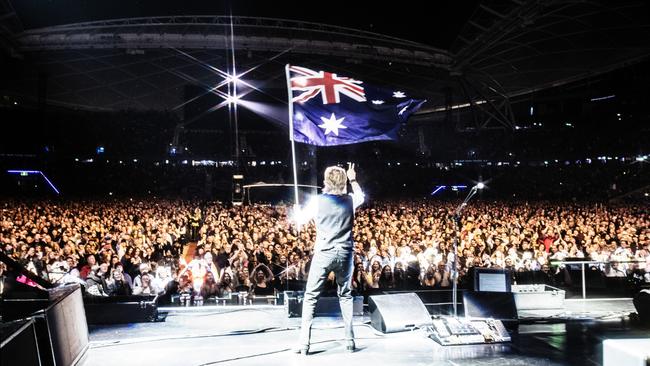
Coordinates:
377 102
399 94
403 110
332 124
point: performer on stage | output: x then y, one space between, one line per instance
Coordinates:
333 212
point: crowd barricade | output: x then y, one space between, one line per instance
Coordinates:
235 298
262 300
586 274
567 275
188 300
230 299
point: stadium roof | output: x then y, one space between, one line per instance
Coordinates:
481 53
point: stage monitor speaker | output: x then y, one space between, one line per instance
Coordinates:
59 329
66 324
19 343
326 305
642 304
57 314
122 310
494 305
397 312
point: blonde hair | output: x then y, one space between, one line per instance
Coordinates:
335 181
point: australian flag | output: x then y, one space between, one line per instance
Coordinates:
329 109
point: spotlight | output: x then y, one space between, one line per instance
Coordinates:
232 99
480 185
233 79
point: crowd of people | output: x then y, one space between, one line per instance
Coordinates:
190 250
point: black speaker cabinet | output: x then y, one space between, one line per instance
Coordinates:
121 309
19 343
326 306
397 312
494 305
642 304
54 335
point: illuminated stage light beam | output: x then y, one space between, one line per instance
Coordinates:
438 189
243 82
270 112
228 99
236 79
233 99
228 77
210 110
28 172
257 89
201 63
209 89
481 184
266 61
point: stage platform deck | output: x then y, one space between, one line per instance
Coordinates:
264 335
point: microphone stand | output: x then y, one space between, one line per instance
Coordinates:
458 228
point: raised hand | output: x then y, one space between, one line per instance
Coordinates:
352 175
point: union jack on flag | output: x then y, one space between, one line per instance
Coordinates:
327 84
348 111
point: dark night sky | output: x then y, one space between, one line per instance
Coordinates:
433 23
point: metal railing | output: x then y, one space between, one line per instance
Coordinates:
582 268
235 298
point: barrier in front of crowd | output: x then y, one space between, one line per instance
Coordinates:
438 300
583 265
234 298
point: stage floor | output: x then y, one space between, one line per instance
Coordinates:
264 335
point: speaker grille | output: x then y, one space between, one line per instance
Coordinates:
397 312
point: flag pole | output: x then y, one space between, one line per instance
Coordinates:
293 158
293 143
